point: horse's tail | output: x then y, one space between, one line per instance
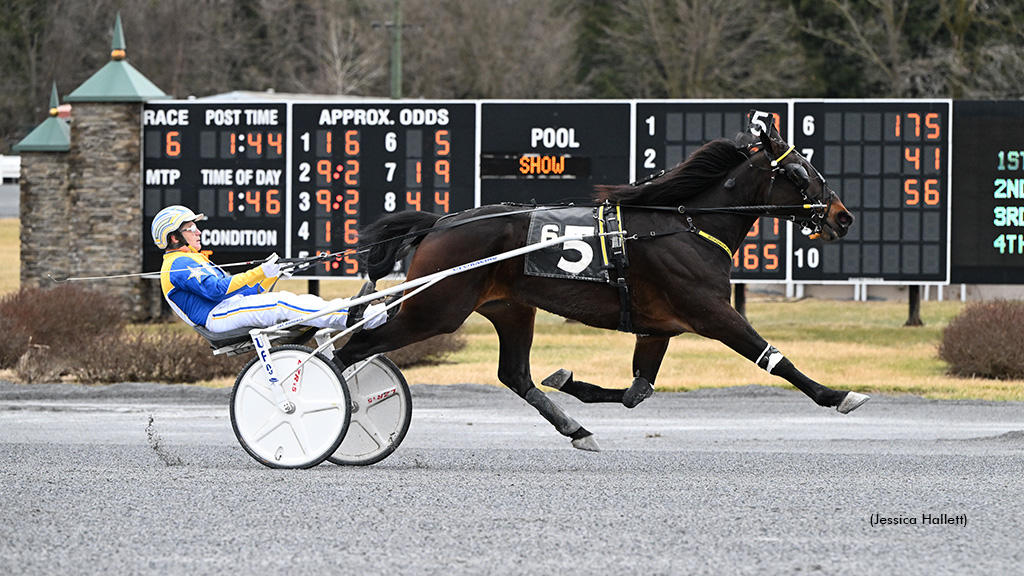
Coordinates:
381 242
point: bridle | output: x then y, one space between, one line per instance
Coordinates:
797 175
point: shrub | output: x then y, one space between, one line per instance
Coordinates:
984 340
168 356
64 316
69 333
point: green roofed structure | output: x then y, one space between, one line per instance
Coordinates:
53 135
118 81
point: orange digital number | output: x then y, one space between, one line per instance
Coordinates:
255 142
755 229
352 202
173 147
323 168
914 157
351 142
441 169
323 198
412 198
771 258
352 173
273 204
441 139
328 142
351 233
931 192
931 121
441 199
750 260
910 188
917 123
275 140
353 265
938 159
252 197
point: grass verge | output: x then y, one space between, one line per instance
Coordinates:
859 346
849 345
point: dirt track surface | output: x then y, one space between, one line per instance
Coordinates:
143 478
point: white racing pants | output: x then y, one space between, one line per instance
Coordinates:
270 308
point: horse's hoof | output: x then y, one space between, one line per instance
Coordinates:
851 402
588 443
639 391
557 379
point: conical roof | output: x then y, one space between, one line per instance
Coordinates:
117 81
53 135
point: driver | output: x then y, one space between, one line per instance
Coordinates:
202 294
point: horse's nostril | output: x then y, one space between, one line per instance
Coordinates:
844 219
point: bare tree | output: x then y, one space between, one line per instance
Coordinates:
490 49
707 49
349 55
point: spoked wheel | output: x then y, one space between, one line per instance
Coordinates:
308 434
381 412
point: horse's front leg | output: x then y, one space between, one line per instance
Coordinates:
647 355
733 330
514 324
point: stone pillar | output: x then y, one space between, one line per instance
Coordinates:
105 205
44 214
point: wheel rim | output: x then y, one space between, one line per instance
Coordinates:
382 409
304 437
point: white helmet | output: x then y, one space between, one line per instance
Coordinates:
169 220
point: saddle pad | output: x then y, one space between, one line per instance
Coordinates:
574 259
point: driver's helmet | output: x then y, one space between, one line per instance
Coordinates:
170 219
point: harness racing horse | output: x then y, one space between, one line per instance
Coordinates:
678 273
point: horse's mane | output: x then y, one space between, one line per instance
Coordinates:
702 170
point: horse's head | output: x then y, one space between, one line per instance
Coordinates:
795 182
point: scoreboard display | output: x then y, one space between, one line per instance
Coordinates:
551 152
228 162
352 163
668 132
889 163
302 178
988 210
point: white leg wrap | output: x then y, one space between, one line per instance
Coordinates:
769 358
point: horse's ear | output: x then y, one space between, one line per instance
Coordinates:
766 140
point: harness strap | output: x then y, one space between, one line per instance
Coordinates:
784 154
715 241
614 258
693 228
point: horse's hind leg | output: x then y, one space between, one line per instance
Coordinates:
647 356
514 324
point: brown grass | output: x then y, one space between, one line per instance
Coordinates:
850 345
10 255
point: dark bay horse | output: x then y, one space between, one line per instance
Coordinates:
677 277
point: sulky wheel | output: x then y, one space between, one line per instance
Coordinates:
381 412
319 403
